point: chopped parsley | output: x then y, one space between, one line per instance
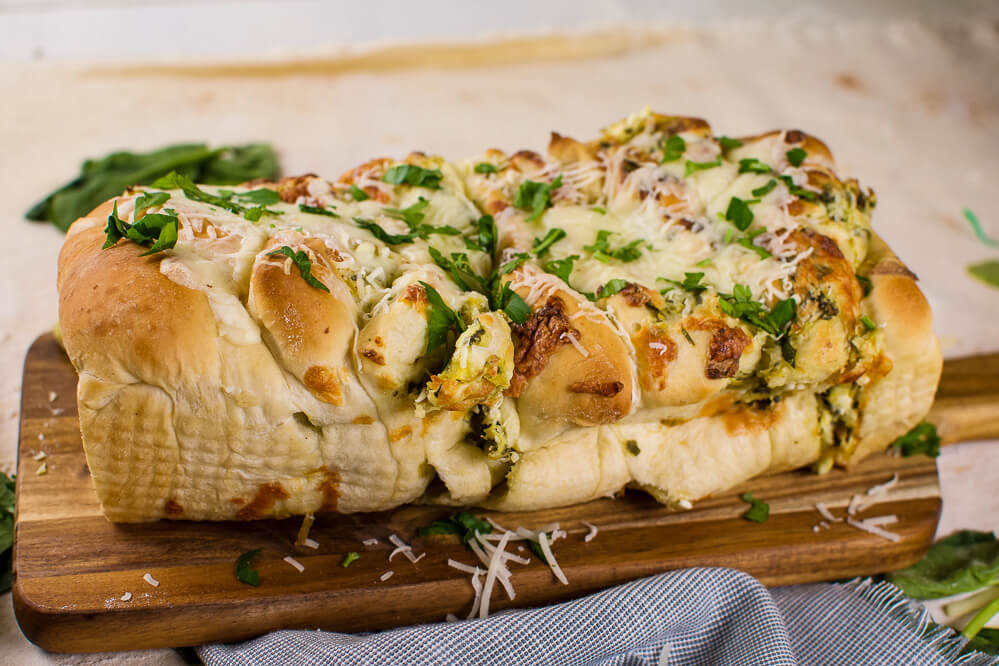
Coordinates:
561 268
691 282
611 287
412 215
349 559
515 263
797 191
922 439
485 238
157 230
150 200
410 174
358 194
728 143
535 197
740 304
601 250
758 512
512 305
313 210
632 447
440 319
692 167
378 232
458 269
463 523
739 213
540 245
485 167
868 324
753 165
765 189
262 196
673 148
747 242
598 209
304 265
865 284
245 573
796 156
7 497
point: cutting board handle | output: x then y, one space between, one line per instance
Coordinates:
967 403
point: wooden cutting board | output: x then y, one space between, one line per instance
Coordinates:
72 566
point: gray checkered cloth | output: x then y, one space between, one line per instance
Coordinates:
693 616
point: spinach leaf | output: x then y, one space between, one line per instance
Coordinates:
440 319
101 179
535 197
963 562
245 573
758 512
158 230
922 439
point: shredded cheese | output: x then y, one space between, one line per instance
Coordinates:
873 529
295 563
303 531
575 343
370 542
148 577
592 533
825 513
385 576
550 556
495 564
404 548
127 596
40 456
311 543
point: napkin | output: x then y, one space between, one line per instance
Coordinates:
690 616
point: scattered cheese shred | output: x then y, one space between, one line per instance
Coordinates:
450 617
311 543
826 513
882 488
592 533
370 542
880 521
303 531
495 564
550 556
385 576
575 343
52 396
295 563
40 456
43 469
873 529
127 596
404 548
148 577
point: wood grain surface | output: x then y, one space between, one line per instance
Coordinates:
72 566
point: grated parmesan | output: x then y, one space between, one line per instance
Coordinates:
295 563
385 576
370 542
865 526
127 596
311 543
495 565
404 548
148 577
825 513
575 343
40 456
592 533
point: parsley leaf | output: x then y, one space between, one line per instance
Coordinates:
515 307
753 165
740 304
411 215
313 210
601 250
691 282
692 167
535 197
6 530
611 287
799 192
150 200
765 189
562 268
158 230
598 209
865 284
747 242
758 512
458 269
673 148
796 156
485 167
868 323
986 271
536 547
540 245
304 265
245 573
358 194
728 143
440 319
263 196
923 438
739 214
515 263
176 181
487 234
378 232
464 523
410 174
349 559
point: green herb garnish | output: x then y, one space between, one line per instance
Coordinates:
692 167
314 210
739 213
753 165
535 197
378 232
101 179
7 496
922 439
673 148
742 306
868 323
728 143
691 282
758 512
358 194
245 573
799 192
304 265
865 284
510 302
349 559
748 243
410 174
463 523
485 240
440 319
963 562
601 250
485 167
763 190
986 271
459 270
610 288
796 156
158 230
149 200
562 268
411 215
599 209
540 245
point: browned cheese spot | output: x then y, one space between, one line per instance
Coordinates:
172 508
537 339
330 489
324 384
606 389
724 350
373 356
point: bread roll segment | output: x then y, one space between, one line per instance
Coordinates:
658 308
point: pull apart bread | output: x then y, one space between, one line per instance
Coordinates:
659 308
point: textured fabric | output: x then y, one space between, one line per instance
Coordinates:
693 616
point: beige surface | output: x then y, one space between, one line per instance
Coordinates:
911 111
